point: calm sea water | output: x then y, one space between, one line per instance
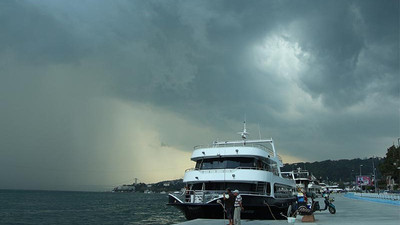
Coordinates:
62 207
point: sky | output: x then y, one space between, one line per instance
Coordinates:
96 93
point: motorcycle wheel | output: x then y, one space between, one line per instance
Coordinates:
332 210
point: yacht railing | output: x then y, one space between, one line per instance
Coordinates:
231 170
206 196
236 168
259 146
263 147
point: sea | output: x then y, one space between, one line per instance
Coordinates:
72 207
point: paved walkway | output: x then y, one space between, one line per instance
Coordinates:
348 212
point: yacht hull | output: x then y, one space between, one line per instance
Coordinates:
256 207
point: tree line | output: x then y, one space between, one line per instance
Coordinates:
346 170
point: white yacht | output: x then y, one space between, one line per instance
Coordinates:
251 166
304 180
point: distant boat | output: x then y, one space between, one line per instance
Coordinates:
125 188
334 189
304 181
251 166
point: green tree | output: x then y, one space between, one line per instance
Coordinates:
391 162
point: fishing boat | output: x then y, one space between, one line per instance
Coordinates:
250 166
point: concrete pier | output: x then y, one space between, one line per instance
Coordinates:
348 212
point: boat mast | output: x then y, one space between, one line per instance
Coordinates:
244 133
244 140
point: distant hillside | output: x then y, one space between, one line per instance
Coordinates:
338 170
167 186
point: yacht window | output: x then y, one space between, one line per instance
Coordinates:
270 165
198 164
268 189
283 191
222 186
239 162
243 187
197 186
225 163
215 186
213 164
235 162
287 175
273 167
301 175
232 163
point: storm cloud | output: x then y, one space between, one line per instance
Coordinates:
94 93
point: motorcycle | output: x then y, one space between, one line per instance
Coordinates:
328 204
303 209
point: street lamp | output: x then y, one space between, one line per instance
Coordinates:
375 181
359 179
353 179
374 171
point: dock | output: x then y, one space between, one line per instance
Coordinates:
349 211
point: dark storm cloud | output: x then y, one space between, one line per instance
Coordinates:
321 77
344 37
34 36
205 54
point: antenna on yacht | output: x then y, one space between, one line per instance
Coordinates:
244 133
259 131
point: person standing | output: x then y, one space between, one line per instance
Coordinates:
229 199
238 207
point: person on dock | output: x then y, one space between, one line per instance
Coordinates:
238 207
229 199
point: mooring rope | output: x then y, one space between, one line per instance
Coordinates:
265 202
